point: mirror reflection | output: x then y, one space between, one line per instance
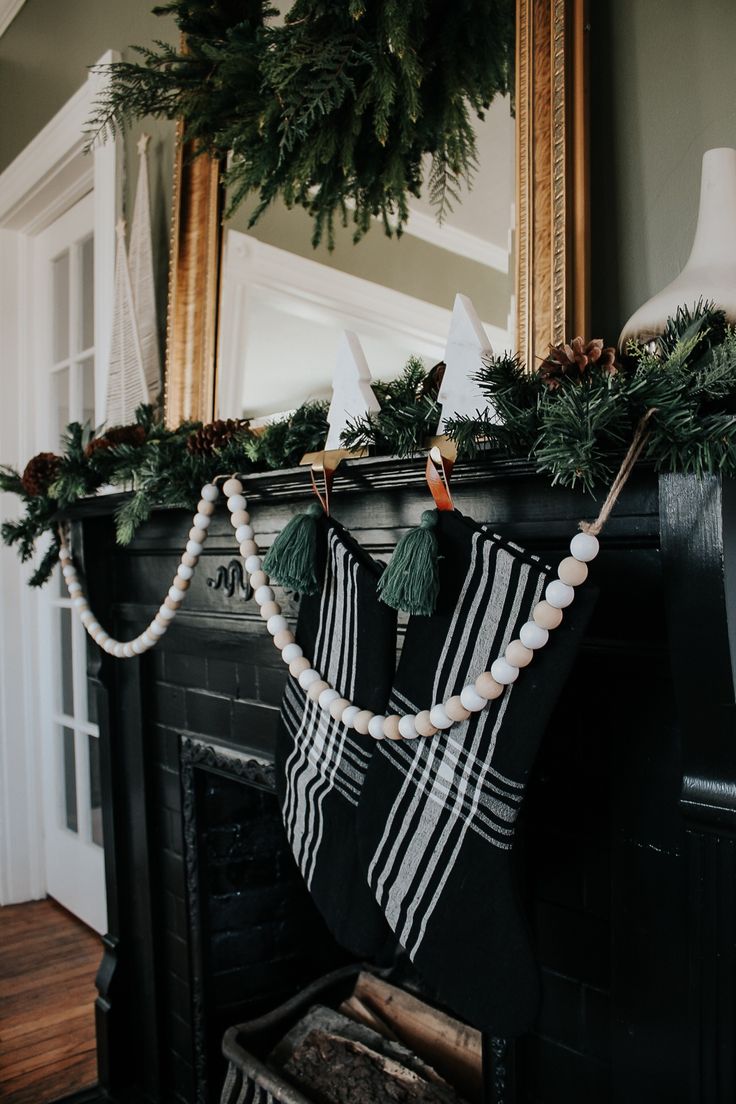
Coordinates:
285 305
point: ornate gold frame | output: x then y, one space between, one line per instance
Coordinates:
552 237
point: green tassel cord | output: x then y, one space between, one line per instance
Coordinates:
411 581
291 560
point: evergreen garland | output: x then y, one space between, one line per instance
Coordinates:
335 109
577 429
409 414
573 427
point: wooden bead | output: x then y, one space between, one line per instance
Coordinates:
338 707
391 727
455 709
348 717
181 584
408 727
202 521
472 700
188 560
184 572
327 697
171 604
301 663
291 652
572 571
517 655
438 716
248 548
268 609
503 672
276 623
281 639
236 502
210 492
487 686
584 546
240 517
244 533
263 595
559 594
361 722
533 636
315 689
197 536
258 579
205 507
375 726
546 615
424 725
231 487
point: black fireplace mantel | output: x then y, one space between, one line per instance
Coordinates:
627 854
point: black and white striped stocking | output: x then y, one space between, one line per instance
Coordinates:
437 815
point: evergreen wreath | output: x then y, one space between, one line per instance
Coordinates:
573 418
334 110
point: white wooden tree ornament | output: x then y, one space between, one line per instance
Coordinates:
126 381
140 260
467 342
352 394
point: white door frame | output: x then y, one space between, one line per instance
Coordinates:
47 178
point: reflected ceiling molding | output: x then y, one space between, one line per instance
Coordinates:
8 11
316 291
445 236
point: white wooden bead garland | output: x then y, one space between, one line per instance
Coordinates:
474 697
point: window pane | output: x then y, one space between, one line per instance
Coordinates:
91 687
88 303
60 293
70 780
95 790
87 368
66 697
60 399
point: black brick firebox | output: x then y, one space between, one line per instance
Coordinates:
627 856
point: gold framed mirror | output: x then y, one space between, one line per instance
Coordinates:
551 249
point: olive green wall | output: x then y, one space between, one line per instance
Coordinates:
663 90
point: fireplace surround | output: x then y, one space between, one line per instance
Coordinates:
626 854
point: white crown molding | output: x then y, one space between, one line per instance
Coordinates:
53 163
444 236
8 11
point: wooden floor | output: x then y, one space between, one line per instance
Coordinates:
48 962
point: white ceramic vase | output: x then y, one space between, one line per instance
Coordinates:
710 271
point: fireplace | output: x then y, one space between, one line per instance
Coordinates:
627 828
253 932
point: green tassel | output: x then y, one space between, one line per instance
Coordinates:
291 560
411 581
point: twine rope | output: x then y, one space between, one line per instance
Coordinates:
640 438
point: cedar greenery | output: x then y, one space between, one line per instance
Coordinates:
574 429
577 430
409 414
159 468
334 110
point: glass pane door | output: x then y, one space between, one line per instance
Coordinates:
74 838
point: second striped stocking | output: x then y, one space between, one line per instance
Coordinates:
437 814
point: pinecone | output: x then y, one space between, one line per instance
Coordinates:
40 472
117 435
572 361
212 438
